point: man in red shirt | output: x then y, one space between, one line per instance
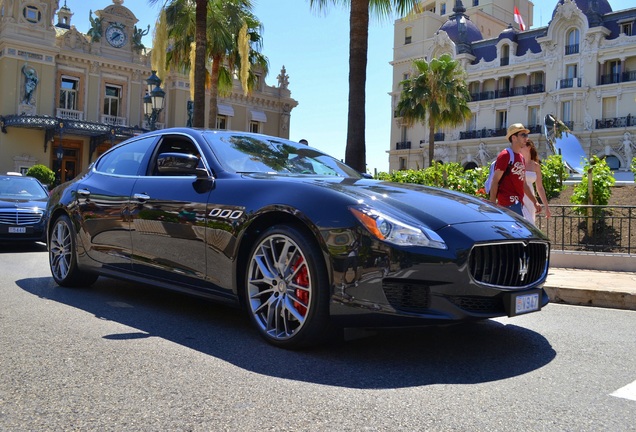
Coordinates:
509 181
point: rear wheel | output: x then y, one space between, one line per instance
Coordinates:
63 256
287 289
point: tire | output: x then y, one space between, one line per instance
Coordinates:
63 256
287 289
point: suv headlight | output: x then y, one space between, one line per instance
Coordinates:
391 230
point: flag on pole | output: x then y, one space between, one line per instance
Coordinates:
519 20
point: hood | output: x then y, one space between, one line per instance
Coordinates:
435 207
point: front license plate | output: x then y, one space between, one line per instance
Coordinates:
17 230
526 303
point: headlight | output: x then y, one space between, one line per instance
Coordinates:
391 230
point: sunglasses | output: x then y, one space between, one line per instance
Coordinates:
523 135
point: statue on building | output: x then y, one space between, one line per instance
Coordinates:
95 32
482 154
136 38
283 78
30 83
627 147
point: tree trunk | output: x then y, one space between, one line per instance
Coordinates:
431 141
198 116
214 92
355 154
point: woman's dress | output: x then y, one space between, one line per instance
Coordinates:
528 210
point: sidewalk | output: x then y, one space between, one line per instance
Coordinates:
599 288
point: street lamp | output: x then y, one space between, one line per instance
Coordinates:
153 100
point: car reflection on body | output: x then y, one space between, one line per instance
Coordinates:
302 242
22 208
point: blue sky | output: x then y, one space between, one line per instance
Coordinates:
314 48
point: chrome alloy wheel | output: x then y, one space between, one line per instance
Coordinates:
279 287
61 250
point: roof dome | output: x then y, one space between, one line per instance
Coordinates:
509 33
599 6
454 29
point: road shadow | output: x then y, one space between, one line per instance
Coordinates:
19 247
459 354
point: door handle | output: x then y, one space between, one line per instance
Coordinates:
140 197
84 193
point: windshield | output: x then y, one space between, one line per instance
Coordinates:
259 154
21 188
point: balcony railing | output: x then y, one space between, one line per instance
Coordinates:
482 133
114 121
572 49
504 61
439 136
569 83
616 122
69 114
504 93
616 78
609 229
403 145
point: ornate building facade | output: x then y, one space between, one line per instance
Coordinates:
581 68
69 96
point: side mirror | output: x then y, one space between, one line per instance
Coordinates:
180 164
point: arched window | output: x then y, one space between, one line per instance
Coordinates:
572 42
505 55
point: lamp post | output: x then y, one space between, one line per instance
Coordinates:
153 100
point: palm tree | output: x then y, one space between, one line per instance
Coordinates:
233 34
198 117
437 92
355 153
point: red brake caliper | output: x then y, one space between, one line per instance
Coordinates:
302 279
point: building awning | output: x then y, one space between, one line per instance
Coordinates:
226 110
259 116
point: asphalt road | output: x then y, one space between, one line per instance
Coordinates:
122 357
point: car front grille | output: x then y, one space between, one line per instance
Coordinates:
20 216
509 265
407 297
489 305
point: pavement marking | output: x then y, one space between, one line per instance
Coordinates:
627 392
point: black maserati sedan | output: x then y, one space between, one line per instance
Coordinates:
22 208
303 243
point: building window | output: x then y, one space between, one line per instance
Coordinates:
255 126
502 119
221 122
626 28
32 14
112 100
472 123
475 3
505 55
442 9
402 164
68 93
533 116
572 44
566 113
408 33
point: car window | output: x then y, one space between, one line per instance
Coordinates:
21 188
126 158
175 144
254 154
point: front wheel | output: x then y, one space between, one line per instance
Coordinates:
287 289
63 256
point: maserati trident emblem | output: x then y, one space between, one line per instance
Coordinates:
523 266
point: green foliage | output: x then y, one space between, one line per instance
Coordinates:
449 176
634 166
602 182
437 92
42 173
553 173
